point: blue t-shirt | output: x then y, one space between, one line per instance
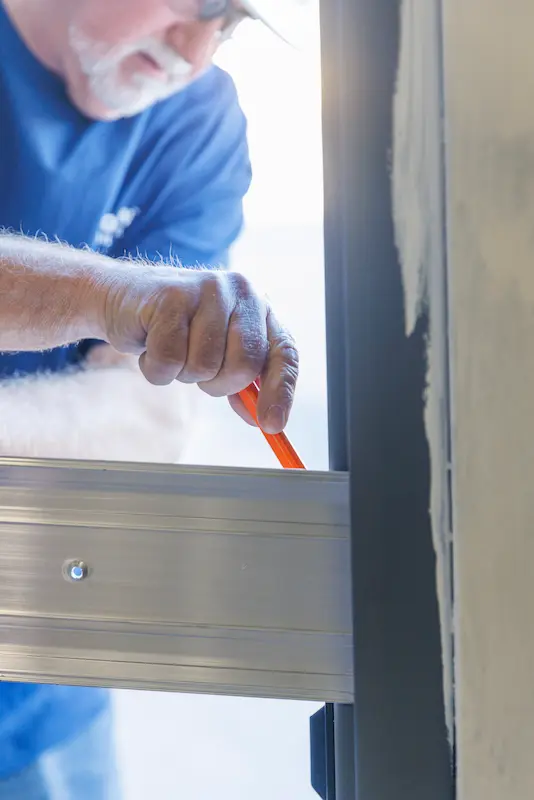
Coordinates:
169 181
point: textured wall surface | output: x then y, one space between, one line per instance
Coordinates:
489 91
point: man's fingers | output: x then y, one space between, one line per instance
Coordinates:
208 333
247 349
166 350
237 405
214 330
279 378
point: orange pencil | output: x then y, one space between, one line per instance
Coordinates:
279 443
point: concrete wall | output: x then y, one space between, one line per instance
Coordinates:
489 102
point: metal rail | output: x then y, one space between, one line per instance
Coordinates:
227 581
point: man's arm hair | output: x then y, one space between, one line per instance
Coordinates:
50 293
204 327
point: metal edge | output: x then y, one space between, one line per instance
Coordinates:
80 467
340 771
401 749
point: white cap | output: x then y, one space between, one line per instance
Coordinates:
283 17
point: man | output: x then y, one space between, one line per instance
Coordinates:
116 133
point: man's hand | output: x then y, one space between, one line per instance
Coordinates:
204 327
194 326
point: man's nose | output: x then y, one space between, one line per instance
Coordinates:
196 42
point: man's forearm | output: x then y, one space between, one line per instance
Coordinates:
195 326
50 294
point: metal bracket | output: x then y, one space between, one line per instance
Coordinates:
226 581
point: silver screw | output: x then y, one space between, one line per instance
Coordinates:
76 570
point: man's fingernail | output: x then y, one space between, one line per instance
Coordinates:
276 417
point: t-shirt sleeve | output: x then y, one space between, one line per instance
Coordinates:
198 174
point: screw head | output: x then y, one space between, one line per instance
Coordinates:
75 570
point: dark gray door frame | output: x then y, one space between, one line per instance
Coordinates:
392 745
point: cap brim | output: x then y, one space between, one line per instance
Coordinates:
279 21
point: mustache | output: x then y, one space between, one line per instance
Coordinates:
165 58
97 58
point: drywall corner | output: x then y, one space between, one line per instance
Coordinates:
418 212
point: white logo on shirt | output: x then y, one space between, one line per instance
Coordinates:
112 226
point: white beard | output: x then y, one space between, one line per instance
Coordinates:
102 64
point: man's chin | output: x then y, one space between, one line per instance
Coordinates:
121 110
92 108
97 111
103 97
111 109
